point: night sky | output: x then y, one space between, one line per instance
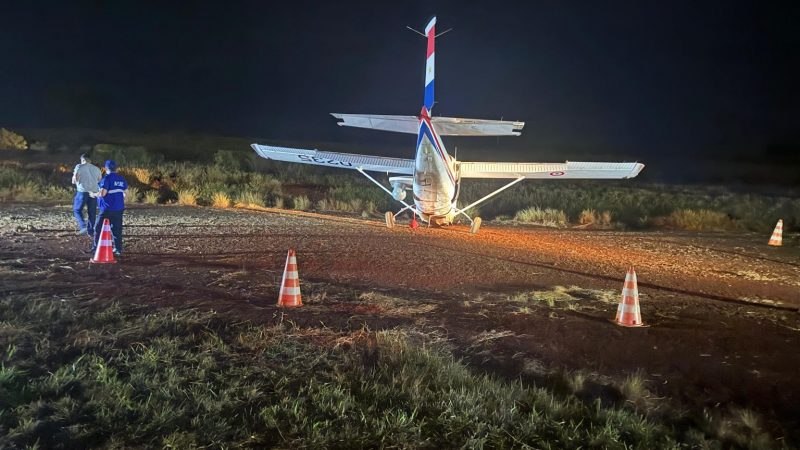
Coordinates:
630 78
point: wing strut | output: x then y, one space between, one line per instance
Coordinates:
407 206
487 197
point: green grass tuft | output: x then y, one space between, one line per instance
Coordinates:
187 197
151 197
547 217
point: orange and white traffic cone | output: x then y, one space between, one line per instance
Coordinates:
105 248
290 285
777 235
414 224
628 313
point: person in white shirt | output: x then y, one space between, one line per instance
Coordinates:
85 177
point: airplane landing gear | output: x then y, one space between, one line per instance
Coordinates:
389 220
476 225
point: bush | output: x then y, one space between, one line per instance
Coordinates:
265 184
700 220
547 217
232 160
11 141
22 185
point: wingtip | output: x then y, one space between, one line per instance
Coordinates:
637 169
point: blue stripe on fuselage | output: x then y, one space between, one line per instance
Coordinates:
429 96
424 130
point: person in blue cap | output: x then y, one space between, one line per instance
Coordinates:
111 205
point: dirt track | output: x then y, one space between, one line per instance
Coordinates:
723 309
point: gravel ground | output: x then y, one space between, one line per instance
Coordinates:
722 308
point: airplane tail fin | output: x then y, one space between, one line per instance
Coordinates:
430 33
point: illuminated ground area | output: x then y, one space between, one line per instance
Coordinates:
520 303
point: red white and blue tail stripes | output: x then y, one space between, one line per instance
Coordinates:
430 32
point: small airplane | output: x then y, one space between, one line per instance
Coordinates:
433 176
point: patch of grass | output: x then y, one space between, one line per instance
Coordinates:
134 195
301 203
24 185
634 205
395 306
85 374
590 203
151 197
741 428
576 381
249 199
187 197
548 217
140 174
573 298
590 217
700 220
220 200
634 388
331 204
121 376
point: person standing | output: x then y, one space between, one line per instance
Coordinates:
85 178
111 203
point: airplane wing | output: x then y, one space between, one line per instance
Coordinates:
333 159
445 126
569 169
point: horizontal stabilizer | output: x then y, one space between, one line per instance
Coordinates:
337 160
445 126
568 170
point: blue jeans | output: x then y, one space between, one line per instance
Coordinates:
115 217
84 199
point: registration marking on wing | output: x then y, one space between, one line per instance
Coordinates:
327 161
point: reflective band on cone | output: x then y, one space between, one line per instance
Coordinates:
105 248
777 235
290 285
628 312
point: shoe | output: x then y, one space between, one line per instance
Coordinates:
116 253
82 231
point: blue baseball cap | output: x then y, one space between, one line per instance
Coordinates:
111 164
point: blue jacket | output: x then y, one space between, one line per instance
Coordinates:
114 199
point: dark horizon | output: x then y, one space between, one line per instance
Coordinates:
622 78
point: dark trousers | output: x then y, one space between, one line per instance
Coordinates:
84 199
115 217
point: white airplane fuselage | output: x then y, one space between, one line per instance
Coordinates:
435 181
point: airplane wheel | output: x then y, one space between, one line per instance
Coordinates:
476 225
389 220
